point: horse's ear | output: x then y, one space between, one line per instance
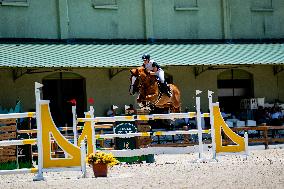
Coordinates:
132 71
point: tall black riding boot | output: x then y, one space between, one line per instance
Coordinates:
165 89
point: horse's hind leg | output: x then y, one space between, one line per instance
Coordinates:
176 101
175 109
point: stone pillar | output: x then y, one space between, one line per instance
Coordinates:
226 18
148 11
63 19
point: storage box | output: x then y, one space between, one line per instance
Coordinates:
253 104
230 124
260 101
234 121
241 124
250 123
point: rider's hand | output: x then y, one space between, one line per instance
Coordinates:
152 73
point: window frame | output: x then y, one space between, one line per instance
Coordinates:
186 7
19 3
268 7
110 6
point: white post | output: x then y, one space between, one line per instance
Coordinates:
66 135
39 176
212 124
83 159
246 144
198 119
93 129
75 125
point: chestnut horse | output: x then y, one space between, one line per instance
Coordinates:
146 86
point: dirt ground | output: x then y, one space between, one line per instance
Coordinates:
262 169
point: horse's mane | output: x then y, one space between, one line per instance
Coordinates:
138 71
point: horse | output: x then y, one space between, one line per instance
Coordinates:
146 85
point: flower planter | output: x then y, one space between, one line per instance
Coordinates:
100 169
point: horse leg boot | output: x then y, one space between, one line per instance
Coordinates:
165 89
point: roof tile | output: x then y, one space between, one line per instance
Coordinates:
129 55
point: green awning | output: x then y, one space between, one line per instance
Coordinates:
128 55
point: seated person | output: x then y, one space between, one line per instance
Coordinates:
262 116
276 117
224 115
130 110
112 111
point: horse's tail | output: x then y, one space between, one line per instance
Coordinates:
175 98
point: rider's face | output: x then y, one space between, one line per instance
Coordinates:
145 61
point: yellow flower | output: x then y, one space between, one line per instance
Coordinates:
102 157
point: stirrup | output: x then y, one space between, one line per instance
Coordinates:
169 94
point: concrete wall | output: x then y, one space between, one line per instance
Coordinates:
256 19
144 19
201 20
267 85
115 91
38 20
126 22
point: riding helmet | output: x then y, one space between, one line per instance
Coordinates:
146 57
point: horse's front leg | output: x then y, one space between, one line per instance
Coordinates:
141 100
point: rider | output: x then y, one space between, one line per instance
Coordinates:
155 69
147 63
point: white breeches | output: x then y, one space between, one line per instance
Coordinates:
161 75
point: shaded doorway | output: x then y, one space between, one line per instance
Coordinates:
60 88
234 85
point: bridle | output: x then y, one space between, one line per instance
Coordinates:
133 88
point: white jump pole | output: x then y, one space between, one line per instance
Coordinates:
212 124
246 144
75 125
83 158
198 119
39 176
93 129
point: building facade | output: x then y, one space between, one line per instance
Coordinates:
102 73
142 19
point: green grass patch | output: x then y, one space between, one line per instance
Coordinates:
25 165
8 165
13 165
137 159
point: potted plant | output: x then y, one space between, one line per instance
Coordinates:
100 161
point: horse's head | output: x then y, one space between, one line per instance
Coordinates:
134 82
138 75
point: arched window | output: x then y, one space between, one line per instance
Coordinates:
233 85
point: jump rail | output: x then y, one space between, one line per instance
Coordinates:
18 115
142 117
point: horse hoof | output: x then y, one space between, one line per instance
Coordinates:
140 104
